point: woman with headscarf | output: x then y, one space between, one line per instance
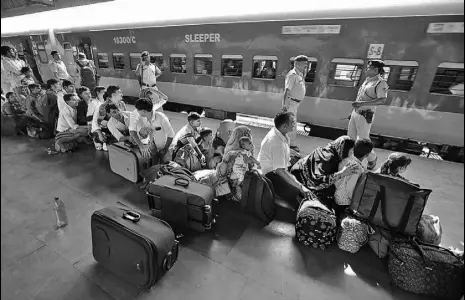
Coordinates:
319 170
222 136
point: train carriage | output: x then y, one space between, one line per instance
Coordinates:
238 63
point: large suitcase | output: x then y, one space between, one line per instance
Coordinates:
181 202
388 202
126 160
134 246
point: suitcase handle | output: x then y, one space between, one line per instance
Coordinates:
131 216
181 182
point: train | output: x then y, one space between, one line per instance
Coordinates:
215 58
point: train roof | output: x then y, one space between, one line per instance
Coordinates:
128 14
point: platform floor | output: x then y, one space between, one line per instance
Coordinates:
237 260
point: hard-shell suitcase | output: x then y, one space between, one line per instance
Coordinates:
127 161
136 247
181 202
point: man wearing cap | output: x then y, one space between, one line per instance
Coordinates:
58 68
147 73
294 93
372 93
87 71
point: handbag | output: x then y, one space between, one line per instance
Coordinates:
426 269
389 202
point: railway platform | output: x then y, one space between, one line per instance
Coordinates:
238 259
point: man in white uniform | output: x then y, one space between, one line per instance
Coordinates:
294 93
147 73
372 93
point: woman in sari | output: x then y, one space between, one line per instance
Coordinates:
319 170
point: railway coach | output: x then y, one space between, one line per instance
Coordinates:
236 60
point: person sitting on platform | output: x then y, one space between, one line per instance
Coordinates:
275 156
118 125
395 165
186 152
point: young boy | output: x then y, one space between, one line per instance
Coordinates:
26 80
346 185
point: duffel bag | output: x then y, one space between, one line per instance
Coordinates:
257 196
388 202
426 269
316 224
353 234
181 202
379 241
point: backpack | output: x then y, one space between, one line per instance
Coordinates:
87 72
257 196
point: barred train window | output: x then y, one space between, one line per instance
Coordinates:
345 72
400 75
311 70
178 63
134 60
42 53
103 61
118 61
231 65
264 67
203 64
449 79
157 59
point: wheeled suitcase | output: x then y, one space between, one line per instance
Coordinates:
126 160
136 247
181 202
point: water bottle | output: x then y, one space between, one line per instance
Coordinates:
60 213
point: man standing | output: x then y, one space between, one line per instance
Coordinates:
372 93
87 71
147 73
294 93
58 68
11 70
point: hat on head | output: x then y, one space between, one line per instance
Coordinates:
301 58
145 53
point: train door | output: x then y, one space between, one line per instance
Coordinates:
85 46
30 56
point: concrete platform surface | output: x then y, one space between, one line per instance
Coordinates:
239 259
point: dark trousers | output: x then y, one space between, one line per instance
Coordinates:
284 191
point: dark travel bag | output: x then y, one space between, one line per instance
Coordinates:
257 196
126 160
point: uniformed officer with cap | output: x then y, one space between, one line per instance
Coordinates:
372 93
147 73
294 92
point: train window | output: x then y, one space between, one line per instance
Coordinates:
134 59
157 59
449 79
345 72
311 71
203 64
103 61
178 63
231 65
264 67
400 75
118 61
42 53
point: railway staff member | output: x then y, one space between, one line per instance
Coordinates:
147 73
372 93
58 68
294 93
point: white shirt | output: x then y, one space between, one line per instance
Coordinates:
116 127
159 120
95 125
275 152
295 82
12 71
149 73
60 101
67 119
60 68
371 89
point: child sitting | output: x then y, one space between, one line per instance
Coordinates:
346 185
205 142
243 162
395 165
26 80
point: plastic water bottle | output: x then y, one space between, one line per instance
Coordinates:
60 213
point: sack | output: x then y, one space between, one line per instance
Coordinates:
187 158
353 234
181 202
211 178
127 161
257 196
430 230
389 202
379 241
426 269
316 225
86 72
134 246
